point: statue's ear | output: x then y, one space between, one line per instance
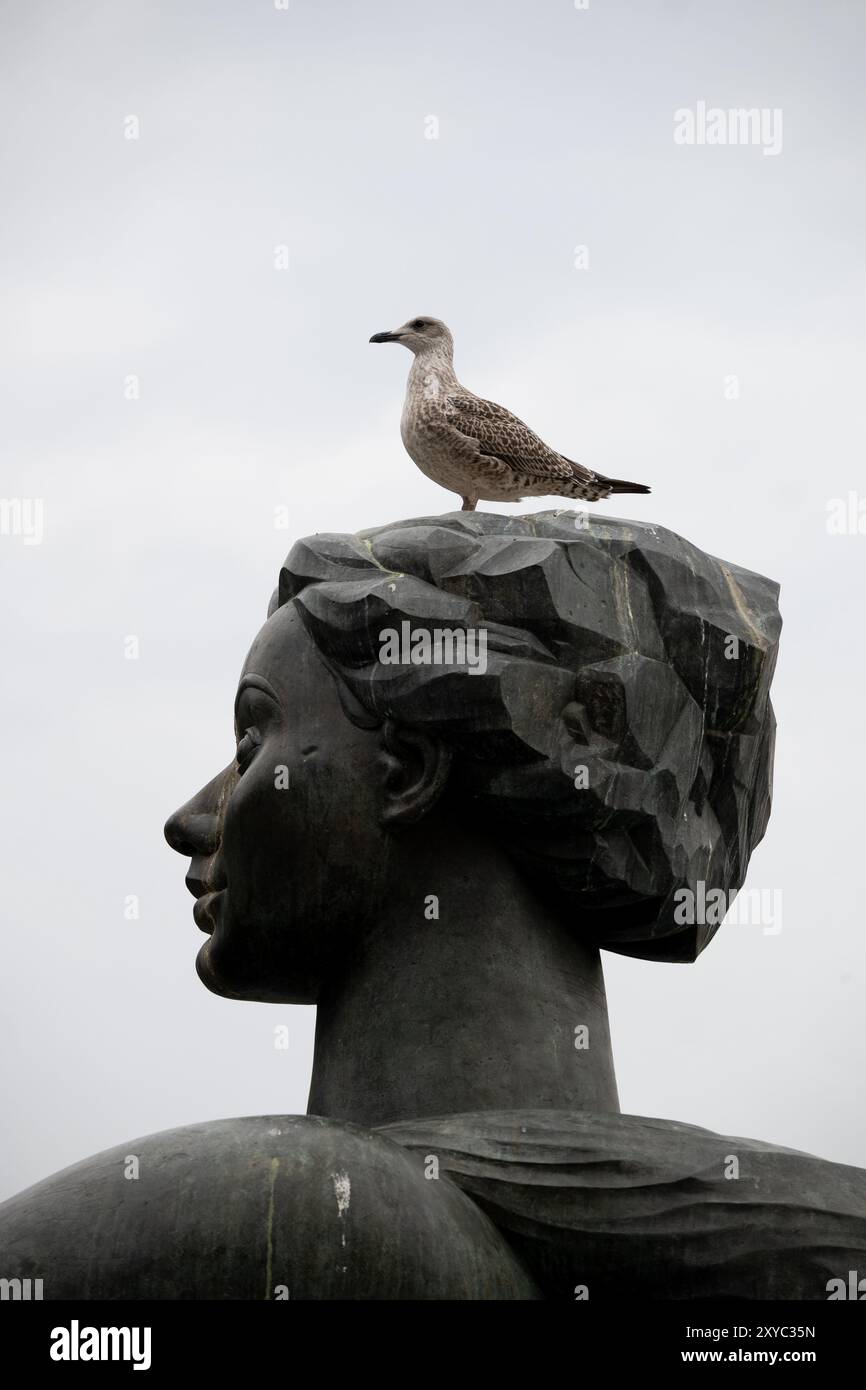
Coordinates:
416 770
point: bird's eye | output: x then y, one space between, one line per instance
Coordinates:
418 324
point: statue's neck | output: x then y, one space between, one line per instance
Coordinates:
490 1005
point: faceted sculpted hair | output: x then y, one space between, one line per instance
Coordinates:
620 741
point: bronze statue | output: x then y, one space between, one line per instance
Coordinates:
472 751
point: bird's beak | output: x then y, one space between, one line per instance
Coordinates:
385 338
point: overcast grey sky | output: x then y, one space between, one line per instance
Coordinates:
708 340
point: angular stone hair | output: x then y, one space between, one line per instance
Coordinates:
612 646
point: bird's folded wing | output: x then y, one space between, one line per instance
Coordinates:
502 435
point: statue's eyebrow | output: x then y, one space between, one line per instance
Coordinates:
252 682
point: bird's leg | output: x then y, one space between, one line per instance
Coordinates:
468 504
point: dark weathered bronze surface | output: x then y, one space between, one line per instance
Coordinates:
434 852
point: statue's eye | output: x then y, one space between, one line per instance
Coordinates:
247 746
418 324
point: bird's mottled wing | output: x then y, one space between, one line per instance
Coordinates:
502 435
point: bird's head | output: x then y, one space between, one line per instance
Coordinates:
420 335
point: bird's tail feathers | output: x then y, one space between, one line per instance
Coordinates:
586 477
620 485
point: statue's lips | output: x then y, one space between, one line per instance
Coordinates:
202 912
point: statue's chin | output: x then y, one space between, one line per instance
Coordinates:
211 977
229 981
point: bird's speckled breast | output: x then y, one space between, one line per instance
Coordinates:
424 429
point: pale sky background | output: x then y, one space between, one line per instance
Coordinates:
261 128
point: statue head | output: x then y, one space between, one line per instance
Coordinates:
590 695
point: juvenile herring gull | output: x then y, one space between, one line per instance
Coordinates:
474 447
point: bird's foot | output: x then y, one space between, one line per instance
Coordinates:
469 504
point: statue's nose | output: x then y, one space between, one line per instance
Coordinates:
194 828
192 834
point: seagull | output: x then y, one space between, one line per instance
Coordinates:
474 447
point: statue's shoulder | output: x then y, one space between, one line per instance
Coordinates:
260 1207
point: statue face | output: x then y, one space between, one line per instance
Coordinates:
286 843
